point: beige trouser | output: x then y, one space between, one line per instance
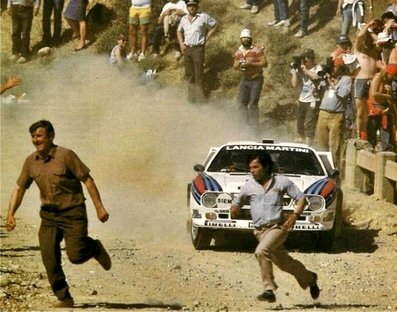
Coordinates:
271 250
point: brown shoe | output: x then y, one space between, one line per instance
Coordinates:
65 303
103 257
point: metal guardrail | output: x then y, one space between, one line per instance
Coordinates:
383 165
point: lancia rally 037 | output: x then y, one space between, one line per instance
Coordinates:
225 170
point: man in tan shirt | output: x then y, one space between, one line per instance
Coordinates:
58 173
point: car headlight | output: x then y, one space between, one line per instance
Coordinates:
315 203
209 200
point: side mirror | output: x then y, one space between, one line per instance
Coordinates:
198 168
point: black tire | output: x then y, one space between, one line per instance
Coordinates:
201 238
188 212
338 224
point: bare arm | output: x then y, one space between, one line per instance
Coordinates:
210 32
102 214
179 34
10 83
15 202
378 96
300 206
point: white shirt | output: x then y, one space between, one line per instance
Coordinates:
180 5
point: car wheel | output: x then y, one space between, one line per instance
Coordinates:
201 238
338 223
188 210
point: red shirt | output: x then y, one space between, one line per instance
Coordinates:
251 54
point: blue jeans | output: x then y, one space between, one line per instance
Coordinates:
280 9
253 2
347 18
50 6
249 95
304 11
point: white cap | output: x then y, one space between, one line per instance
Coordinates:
349 58
245 33
383 37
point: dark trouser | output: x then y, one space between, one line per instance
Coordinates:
157 36
71 225
21 17
304 11
194 72
386 135
306 120
280 10
249 95
48 7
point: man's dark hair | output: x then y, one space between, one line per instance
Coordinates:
264 159
49 129
388 15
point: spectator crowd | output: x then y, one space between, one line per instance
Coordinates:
353 95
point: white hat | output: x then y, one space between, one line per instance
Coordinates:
349 58
245 33
383 37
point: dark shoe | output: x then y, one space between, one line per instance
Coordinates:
103 257
65 303
267 295
314 290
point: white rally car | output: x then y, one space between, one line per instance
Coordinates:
225 170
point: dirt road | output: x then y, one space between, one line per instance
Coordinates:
141 142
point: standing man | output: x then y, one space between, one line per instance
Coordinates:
331 117
281 14
250 60
50 6
367 53
193 32
304 77
21 12
304 7
264 192
58 172
139 21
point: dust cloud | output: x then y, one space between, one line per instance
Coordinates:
139 140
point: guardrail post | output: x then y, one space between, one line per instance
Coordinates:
383 187
354 176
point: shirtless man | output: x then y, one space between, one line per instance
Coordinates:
367 54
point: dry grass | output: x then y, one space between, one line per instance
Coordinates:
221 79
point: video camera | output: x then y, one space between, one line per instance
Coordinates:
296 61
326 68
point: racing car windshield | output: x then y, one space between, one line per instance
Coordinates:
287 160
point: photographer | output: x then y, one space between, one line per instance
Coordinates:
250 60
305 76
332 109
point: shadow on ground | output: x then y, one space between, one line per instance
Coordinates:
351 240
128 306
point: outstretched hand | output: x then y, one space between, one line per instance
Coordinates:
10 223
103 215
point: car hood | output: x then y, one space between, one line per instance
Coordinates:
232 182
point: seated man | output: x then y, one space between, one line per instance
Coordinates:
167 24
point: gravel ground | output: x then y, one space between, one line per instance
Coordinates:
357 275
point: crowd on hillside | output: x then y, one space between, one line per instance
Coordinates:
351 96
354 94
